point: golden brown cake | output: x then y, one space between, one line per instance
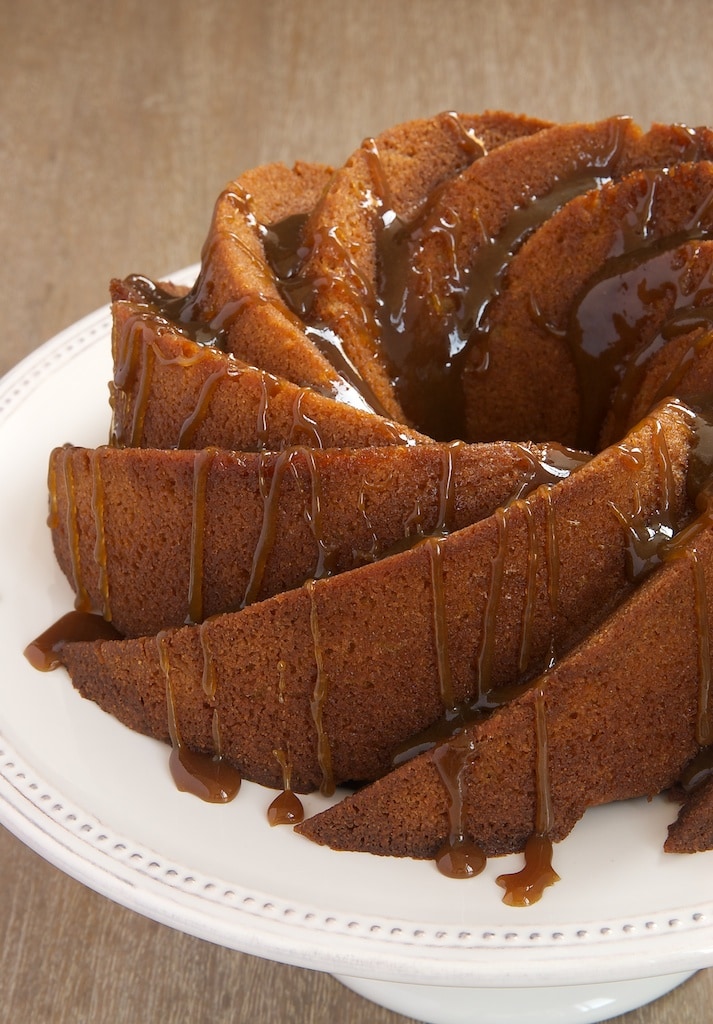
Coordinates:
485 278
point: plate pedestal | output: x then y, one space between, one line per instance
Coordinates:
570 1004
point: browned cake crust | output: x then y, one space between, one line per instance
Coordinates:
342 671
621 716
222 529
692 831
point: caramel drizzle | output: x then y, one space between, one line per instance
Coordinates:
209 677
268 530
609 339
600 360
428 332
440 623
193 422
528 616
82 601
286 808
319 696
202 465
134 361
484 661
459 856
208 776
525 887
100 550
304 424
326 563
647 540
553 567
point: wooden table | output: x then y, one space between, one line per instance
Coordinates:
119 124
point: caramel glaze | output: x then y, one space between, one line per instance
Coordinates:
205 775
286 808
44 652
525 887
608 334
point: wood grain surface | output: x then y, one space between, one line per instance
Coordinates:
119 124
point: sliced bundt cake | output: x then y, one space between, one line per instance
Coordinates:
342 671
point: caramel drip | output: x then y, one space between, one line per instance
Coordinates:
209 679
53 509
553 568
530 605
683 546
428 332
300 291
82 601
472 146
100 552
269 386
460 856
326 562
202 464
304 424
608 333
266 540
484 660
143 391
525 887
446 490
208 776
647 539
440 623
697 770
319 695
193 422
601 338
45 651
555 464
286 808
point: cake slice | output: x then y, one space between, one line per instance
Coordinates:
222 529
169 391
623 714
342 671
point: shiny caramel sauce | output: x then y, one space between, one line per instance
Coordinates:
460 856
427 336
319 695
205 775
286 808
45 651
608 334
525 887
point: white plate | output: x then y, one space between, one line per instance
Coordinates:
98 801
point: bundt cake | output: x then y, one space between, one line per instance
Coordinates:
421 460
